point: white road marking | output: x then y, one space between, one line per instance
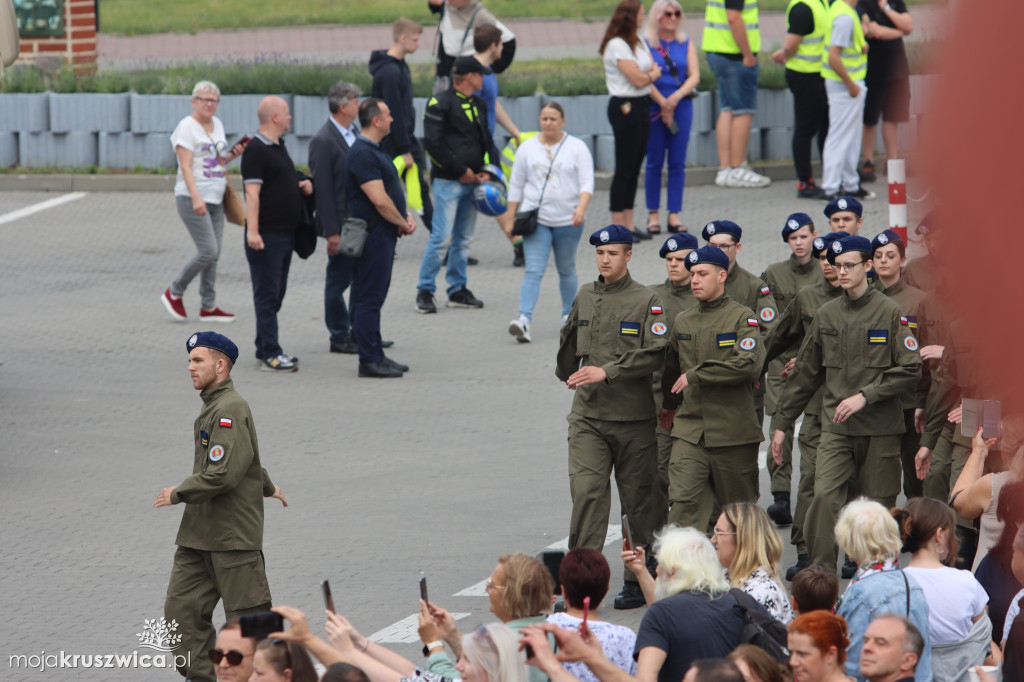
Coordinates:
41 206
404 631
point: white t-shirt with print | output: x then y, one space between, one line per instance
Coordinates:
208 173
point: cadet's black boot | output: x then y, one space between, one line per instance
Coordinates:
779 511
802 562
631 597
849 568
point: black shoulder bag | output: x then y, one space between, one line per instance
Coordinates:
526 221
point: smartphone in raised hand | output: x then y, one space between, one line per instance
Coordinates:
627 533
328 599
423 589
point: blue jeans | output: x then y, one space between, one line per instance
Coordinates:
455 216
737 84
536 248
336 314
372 278
660 142
268 269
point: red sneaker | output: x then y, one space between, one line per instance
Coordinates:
175 306
216 315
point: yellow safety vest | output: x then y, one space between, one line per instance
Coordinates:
717 36
809 52
854 59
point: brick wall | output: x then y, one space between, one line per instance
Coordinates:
78 44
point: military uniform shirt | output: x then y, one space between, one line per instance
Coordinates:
958 377
909 300
753 292
224 495
785 280
621 328
718 346
854 346
920 273
675 298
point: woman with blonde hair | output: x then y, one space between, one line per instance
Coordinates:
671 110
749 549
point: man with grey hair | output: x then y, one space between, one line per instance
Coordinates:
892 649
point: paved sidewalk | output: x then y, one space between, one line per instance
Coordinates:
535 39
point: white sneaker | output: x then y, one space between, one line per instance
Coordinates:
721 176
745 177
565 318
520 330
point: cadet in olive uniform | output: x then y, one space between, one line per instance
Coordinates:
858 347
785 339
612 343
845 214
786 279
922 272
220 540
713 359
675 296
889 255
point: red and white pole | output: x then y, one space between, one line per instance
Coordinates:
898 197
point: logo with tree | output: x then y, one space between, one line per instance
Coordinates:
159 635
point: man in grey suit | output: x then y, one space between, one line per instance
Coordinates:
327 153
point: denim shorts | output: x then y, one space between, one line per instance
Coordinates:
737 84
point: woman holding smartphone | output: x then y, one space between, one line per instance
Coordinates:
672 110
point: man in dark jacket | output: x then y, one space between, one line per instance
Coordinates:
459 144
392 83
327 153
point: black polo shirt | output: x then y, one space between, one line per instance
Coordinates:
367 162
269 165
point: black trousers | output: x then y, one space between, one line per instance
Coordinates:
631 130
810 105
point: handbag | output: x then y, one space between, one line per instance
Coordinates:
525 222
354 232
234 209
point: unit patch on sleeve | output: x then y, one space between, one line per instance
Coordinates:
659 328
911 343
767 314
216 453
748 344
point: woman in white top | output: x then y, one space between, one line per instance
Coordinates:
955 598
202 152
554 172
629 72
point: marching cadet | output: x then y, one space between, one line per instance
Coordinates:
786 279
676 296
785 339
865 356
612 343
889 255
714 358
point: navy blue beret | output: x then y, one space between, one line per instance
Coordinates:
707 254
794 222
821 243
843 203
849 244
678 242
612 234
721 227
215 341
884 238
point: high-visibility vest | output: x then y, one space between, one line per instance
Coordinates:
508 154
854 59
809 52
717 36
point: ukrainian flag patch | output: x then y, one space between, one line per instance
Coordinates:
878 337
629 329
726 340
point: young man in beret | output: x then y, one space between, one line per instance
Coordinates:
714 357
865 356
220 540
612 343
676 296
845 214
785 279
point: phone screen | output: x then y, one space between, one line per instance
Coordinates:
328 599
423 589
260 625
627 534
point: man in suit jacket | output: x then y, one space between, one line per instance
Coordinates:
327 153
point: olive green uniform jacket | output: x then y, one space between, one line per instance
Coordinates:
718 346
675 299
910 299
619 327
224 495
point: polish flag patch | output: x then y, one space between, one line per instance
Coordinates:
751 322
225 422
765 291
656 310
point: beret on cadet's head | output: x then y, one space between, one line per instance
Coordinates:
612 234
848 244
929 223
884 238
678 242
470 64
215 341
707 254
794 222
820 244
721 227
843 203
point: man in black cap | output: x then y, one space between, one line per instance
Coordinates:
459 144
713 360
220 540
612 343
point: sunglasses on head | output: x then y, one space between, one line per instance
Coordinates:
234 657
